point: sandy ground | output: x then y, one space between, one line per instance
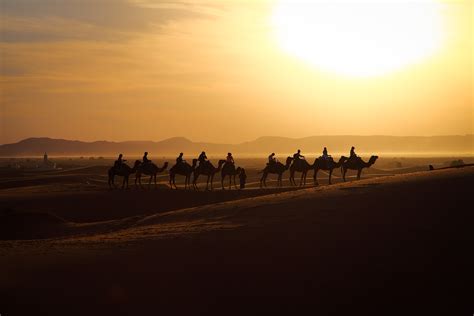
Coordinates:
398 244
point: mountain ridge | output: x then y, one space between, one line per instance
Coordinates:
34 146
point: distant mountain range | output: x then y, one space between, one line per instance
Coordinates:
261 146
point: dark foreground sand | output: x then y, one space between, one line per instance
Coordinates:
391 245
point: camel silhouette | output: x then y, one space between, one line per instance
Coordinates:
327 165
183 169
149 169
275 168
356 164
209 170
229 170
124 171
302 166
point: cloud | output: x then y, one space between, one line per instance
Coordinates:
51 20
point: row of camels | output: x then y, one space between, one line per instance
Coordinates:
183 169
230 171
304 166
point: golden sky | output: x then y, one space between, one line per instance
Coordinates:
231 71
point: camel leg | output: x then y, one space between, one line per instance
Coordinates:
315 177
222 182
149 181
330 175
195 177
154 180
344 170
171 180
235 185
230 182
358 174
212 180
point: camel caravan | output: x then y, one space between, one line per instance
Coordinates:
228 171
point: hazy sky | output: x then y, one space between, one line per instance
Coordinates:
230 71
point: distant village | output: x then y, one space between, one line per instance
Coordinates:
37 164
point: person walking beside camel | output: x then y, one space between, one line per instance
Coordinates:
242 178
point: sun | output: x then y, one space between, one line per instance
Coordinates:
359 38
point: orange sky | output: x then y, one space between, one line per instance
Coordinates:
213 71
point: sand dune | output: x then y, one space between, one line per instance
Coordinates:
401 241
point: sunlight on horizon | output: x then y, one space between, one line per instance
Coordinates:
359 39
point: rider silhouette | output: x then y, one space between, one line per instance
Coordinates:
145 158
271 159
352 154
202 159
118 163
229 159
298 155
179 160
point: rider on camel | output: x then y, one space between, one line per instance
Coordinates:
352 155
229 159
145 157
202 159
180 159
271 159
118 163
298 155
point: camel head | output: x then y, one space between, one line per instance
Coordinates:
194 163
342 159
288 162
238 170
136 164
220 164
165 165
372 160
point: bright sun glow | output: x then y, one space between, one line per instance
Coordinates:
359 38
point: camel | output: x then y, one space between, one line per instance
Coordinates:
357 164
149 169
329 165
229 170
183 169
124 171
276 168
209 170
302 166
